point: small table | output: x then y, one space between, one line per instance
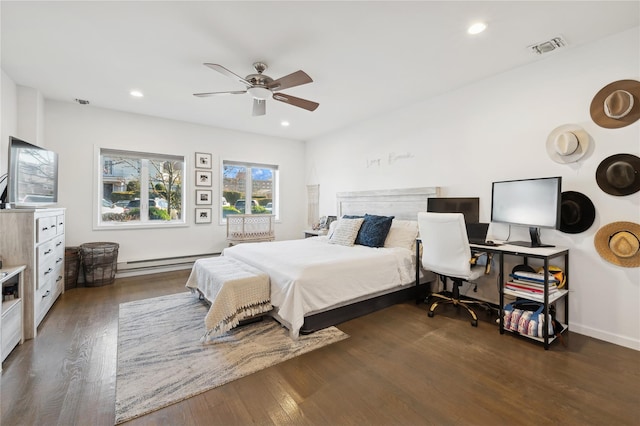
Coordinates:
315 232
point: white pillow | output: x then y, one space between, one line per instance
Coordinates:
403 233
346 231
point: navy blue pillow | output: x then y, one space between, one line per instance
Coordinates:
374 230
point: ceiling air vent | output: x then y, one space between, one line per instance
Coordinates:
548 46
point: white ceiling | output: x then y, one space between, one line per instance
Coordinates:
366 57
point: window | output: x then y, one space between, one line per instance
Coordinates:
140 189
249 189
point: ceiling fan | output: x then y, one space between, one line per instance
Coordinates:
261 87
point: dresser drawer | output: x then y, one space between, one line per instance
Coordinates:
48 291
60 224
11 328
45 228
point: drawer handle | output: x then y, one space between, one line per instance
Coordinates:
48 251
59 244
46 228
48 271
59 260
59 278
47 293
53 226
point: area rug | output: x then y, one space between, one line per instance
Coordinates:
161 360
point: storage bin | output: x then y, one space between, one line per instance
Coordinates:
71 267
99 262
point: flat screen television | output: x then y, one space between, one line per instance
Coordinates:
32 179
469 207
528 202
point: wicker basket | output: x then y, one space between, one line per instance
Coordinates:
100 262
71 267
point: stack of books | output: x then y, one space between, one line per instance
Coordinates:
531 283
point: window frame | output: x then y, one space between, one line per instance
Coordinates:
144 222
248 165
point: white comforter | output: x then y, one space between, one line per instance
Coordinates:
311 275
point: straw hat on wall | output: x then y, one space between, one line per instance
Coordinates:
619 243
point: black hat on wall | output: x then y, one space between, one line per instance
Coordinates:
577 212
619 174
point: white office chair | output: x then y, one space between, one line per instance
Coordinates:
446 252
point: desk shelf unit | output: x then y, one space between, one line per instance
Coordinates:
545 254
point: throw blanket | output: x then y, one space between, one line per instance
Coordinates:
236 291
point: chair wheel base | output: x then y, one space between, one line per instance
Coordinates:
430 314
474 323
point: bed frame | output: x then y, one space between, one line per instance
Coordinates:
403 204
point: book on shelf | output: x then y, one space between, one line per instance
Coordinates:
533 277
528 289
533 284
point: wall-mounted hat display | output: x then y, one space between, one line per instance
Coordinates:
619 174
619 243
617 104
567 143
577 212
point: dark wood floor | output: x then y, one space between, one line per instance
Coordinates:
398 367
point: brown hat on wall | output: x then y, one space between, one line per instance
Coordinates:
619 243
617 104
619 174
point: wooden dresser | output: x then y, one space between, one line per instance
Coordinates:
35 238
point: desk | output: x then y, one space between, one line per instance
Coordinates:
544 253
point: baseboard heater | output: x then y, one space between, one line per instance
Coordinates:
153 266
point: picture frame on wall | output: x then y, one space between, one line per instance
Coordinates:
203 160
203 178
203 215
203 196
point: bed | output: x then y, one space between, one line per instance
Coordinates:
315 283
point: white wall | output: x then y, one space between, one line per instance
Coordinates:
73 130
8 118
496 129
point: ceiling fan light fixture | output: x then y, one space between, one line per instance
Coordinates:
259 92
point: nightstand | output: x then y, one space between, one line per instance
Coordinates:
314 233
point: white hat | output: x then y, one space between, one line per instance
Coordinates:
567 143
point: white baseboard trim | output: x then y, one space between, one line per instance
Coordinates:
155 266
616 339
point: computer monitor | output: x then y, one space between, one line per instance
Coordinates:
469 207
528 202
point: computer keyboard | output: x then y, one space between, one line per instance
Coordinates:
484 243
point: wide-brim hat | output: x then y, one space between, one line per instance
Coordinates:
617 104
567 143
619 243
577 212
619 174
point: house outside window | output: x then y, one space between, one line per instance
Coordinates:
140 189
249 188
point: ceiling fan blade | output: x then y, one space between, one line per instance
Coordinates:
297 78
228 73
292 100
233 92
259 107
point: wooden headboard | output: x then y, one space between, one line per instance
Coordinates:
402 203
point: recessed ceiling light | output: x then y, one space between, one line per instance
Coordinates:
477 28
136 93
284 123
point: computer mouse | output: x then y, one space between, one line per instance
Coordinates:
490 242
